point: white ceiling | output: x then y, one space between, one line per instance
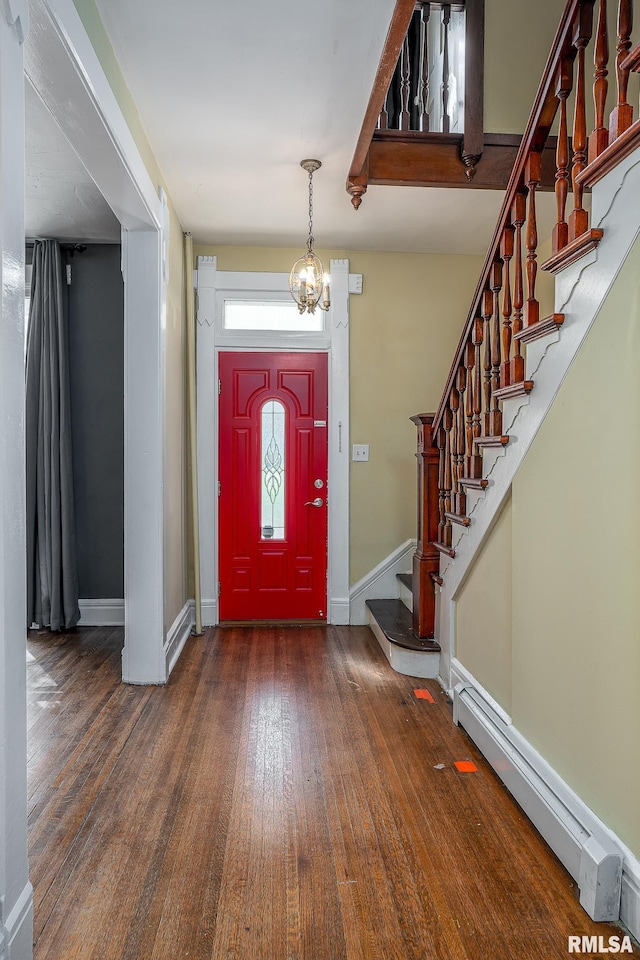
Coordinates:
233 95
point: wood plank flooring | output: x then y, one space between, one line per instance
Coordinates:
284 796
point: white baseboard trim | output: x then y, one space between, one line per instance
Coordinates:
606 871
339 610
380 583
177 635
101 613
18 928
209 612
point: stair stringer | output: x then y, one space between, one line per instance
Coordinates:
580 292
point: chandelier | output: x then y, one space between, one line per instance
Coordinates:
308 282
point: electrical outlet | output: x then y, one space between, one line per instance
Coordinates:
360 452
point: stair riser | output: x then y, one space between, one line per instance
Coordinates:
406 596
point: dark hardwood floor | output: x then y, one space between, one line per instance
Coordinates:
284 796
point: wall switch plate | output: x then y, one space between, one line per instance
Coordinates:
360 452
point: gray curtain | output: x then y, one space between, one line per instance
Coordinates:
52 579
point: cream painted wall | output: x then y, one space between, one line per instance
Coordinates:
483 613
576 557
518 38
176 520
403 331
175 475
570 654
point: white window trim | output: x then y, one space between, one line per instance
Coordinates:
213 287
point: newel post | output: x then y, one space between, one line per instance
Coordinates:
426 559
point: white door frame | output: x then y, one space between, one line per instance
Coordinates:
16 894
211 285
63 68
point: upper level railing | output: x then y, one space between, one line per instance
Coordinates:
489 363
426 93
429 88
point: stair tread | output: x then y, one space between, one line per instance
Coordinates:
406 579
396 622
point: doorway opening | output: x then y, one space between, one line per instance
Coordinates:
228 305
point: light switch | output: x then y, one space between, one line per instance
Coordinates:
360 452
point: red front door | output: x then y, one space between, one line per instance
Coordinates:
273 486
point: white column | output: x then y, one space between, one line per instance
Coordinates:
207 400
143 657
16 894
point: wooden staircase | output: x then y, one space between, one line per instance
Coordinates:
503 357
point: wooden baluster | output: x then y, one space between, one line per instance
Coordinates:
506 252
487 310
560 236
473 466
448 424
425 12
415 28
460 501
599 138
532 179
383 119
405 86
442 520
579 218
622 114
495 419
518 216
454 401
446 17
469 360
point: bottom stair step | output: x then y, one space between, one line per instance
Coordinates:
396 623
392 626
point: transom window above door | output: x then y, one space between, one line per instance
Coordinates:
270 315
257 310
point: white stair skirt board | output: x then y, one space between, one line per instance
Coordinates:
405 595
606 871
18 929
380 583
101 613
411 663
581 290
178 634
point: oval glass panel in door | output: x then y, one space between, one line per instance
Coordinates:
273 471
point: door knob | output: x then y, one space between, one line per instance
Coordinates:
318 502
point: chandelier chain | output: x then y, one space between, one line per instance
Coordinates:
311 237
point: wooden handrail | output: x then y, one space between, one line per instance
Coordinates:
388 60
412 62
